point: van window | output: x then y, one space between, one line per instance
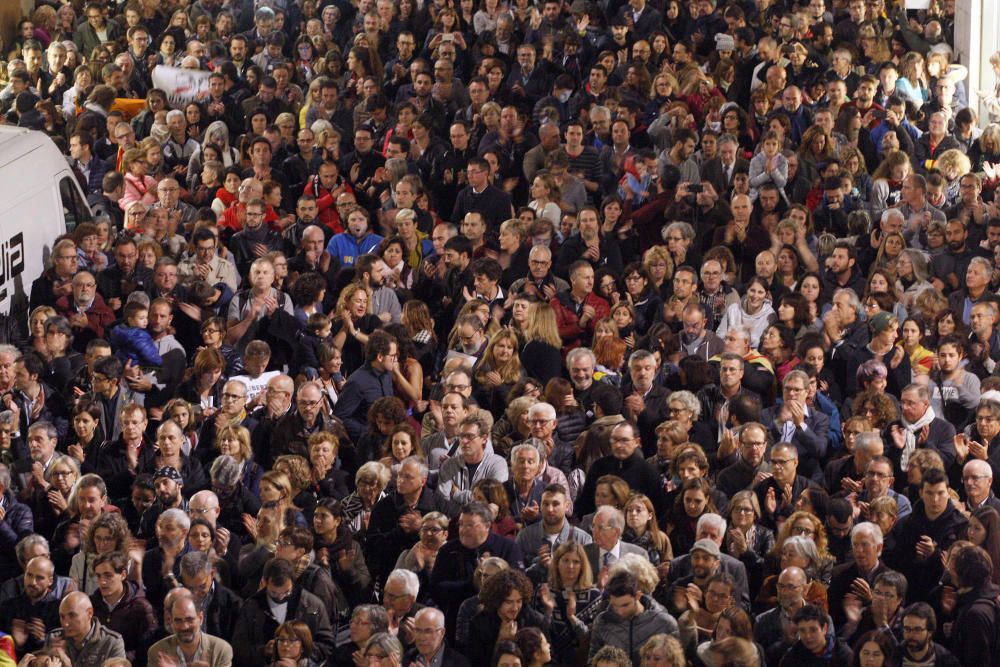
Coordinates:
75 209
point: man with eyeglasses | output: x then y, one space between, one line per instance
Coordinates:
456 562
189 641
475 460
918 646
540 281
777 493
625 461
792 421
395 521
480 195
206 264
56 282
977 480
773 628
429 644
291 433
751 466
86 311
878 482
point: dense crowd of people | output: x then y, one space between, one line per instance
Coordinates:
614 332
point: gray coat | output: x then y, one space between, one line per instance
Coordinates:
103 643
630 634
455 476
532 537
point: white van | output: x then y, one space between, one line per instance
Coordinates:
40 200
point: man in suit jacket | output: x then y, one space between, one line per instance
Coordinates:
607 547
713 527
792 421
867 565
719 171
429 642
642 18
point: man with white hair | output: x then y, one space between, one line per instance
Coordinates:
977 479
607 547
857 576
711 526
395 520
399 597
543 421
976 288
430 647
580 362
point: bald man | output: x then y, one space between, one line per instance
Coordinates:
83 638
430 647
35 610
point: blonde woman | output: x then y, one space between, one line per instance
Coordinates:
991 99
571 600
660 267
498 370
541 354
353 322
953 164
546 195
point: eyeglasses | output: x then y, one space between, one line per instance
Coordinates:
782 462
871 474
307 403
466 437
289 640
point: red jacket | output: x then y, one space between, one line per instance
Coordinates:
99 315
570 331
327 203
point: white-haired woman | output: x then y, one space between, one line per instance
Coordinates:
217 133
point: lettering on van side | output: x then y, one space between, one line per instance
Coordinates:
11 261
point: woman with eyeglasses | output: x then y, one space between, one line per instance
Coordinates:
370 482
420 558
292 646
747 539
796 551
108 532
213 334
367 621
49 503
803 524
